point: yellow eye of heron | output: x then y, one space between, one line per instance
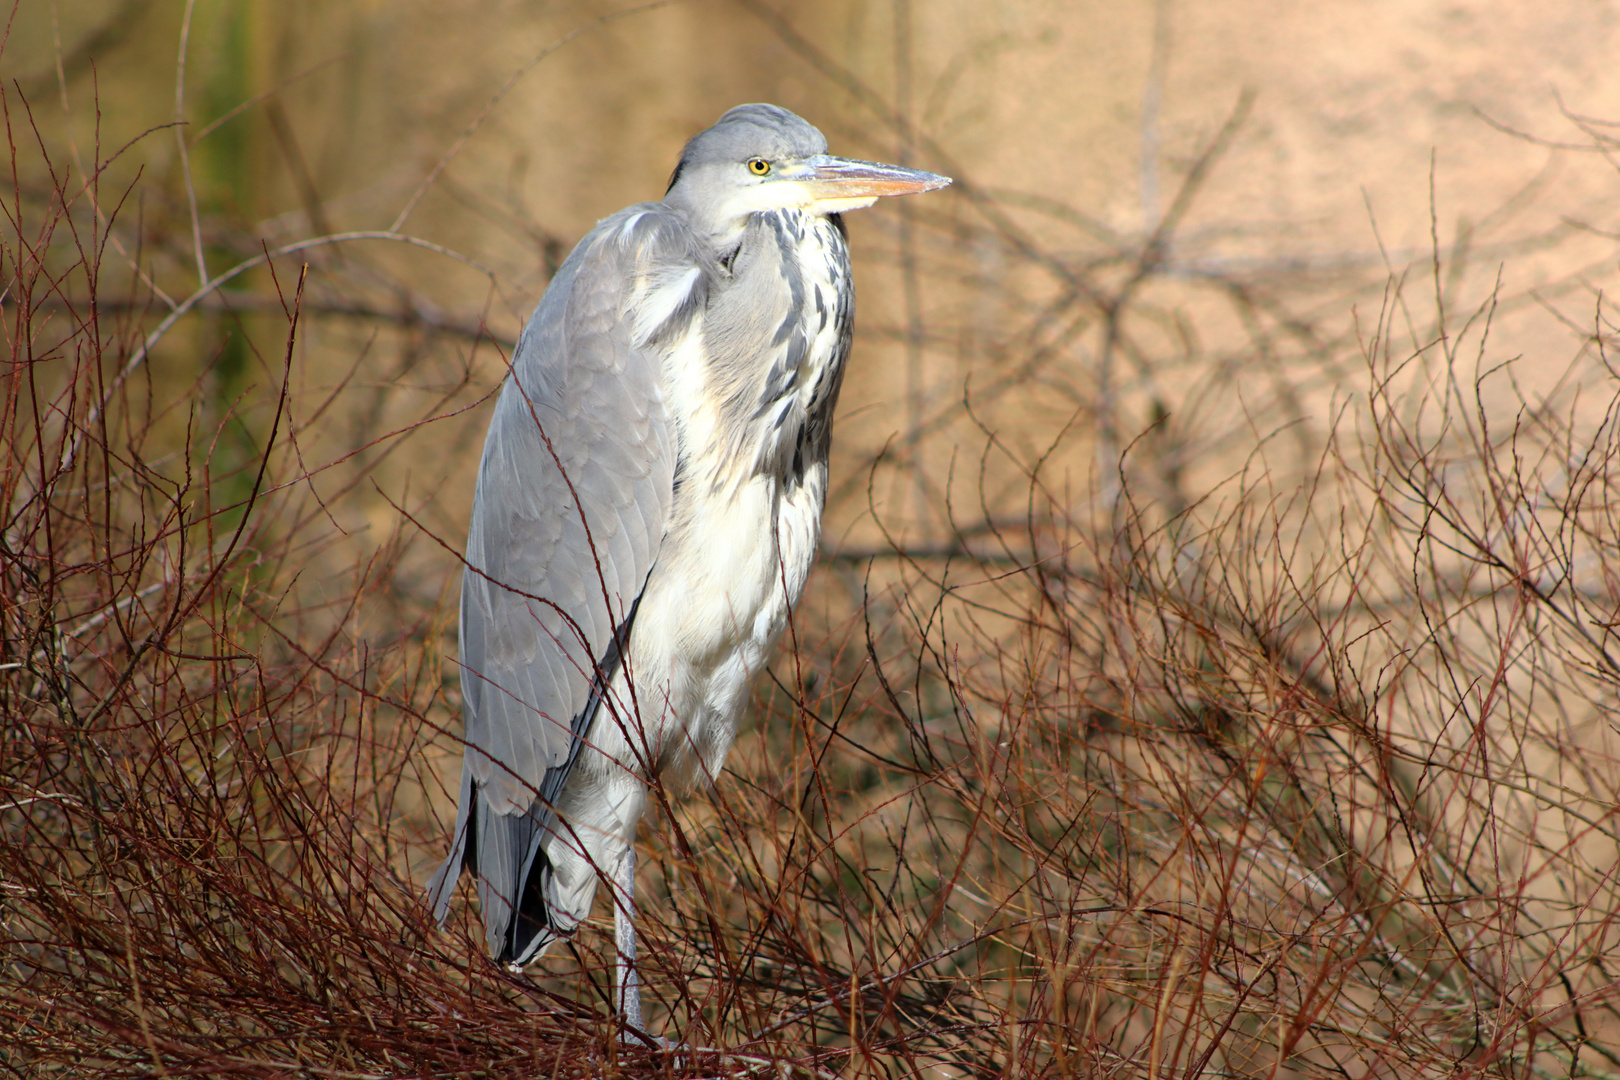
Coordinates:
759 166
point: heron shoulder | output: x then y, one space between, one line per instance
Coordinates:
644 266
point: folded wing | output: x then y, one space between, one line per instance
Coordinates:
573 499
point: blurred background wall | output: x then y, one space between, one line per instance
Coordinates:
1365 134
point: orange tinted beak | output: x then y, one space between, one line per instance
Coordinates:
846 178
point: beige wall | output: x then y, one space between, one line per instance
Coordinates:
1050 108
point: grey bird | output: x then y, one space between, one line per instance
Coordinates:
648 508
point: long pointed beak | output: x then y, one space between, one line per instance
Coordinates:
835 178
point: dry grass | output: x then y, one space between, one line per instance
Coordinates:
1184 725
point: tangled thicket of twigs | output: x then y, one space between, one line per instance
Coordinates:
1286 750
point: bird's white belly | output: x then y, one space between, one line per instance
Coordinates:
740 559
734 568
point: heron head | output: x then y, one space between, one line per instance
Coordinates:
763 158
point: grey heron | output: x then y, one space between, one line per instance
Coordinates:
647 510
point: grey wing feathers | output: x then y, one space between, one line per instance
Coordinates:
573 496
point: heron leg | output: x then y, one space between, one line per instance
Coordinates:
624 939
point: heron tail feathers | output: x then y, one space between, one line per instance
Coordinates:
505 855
